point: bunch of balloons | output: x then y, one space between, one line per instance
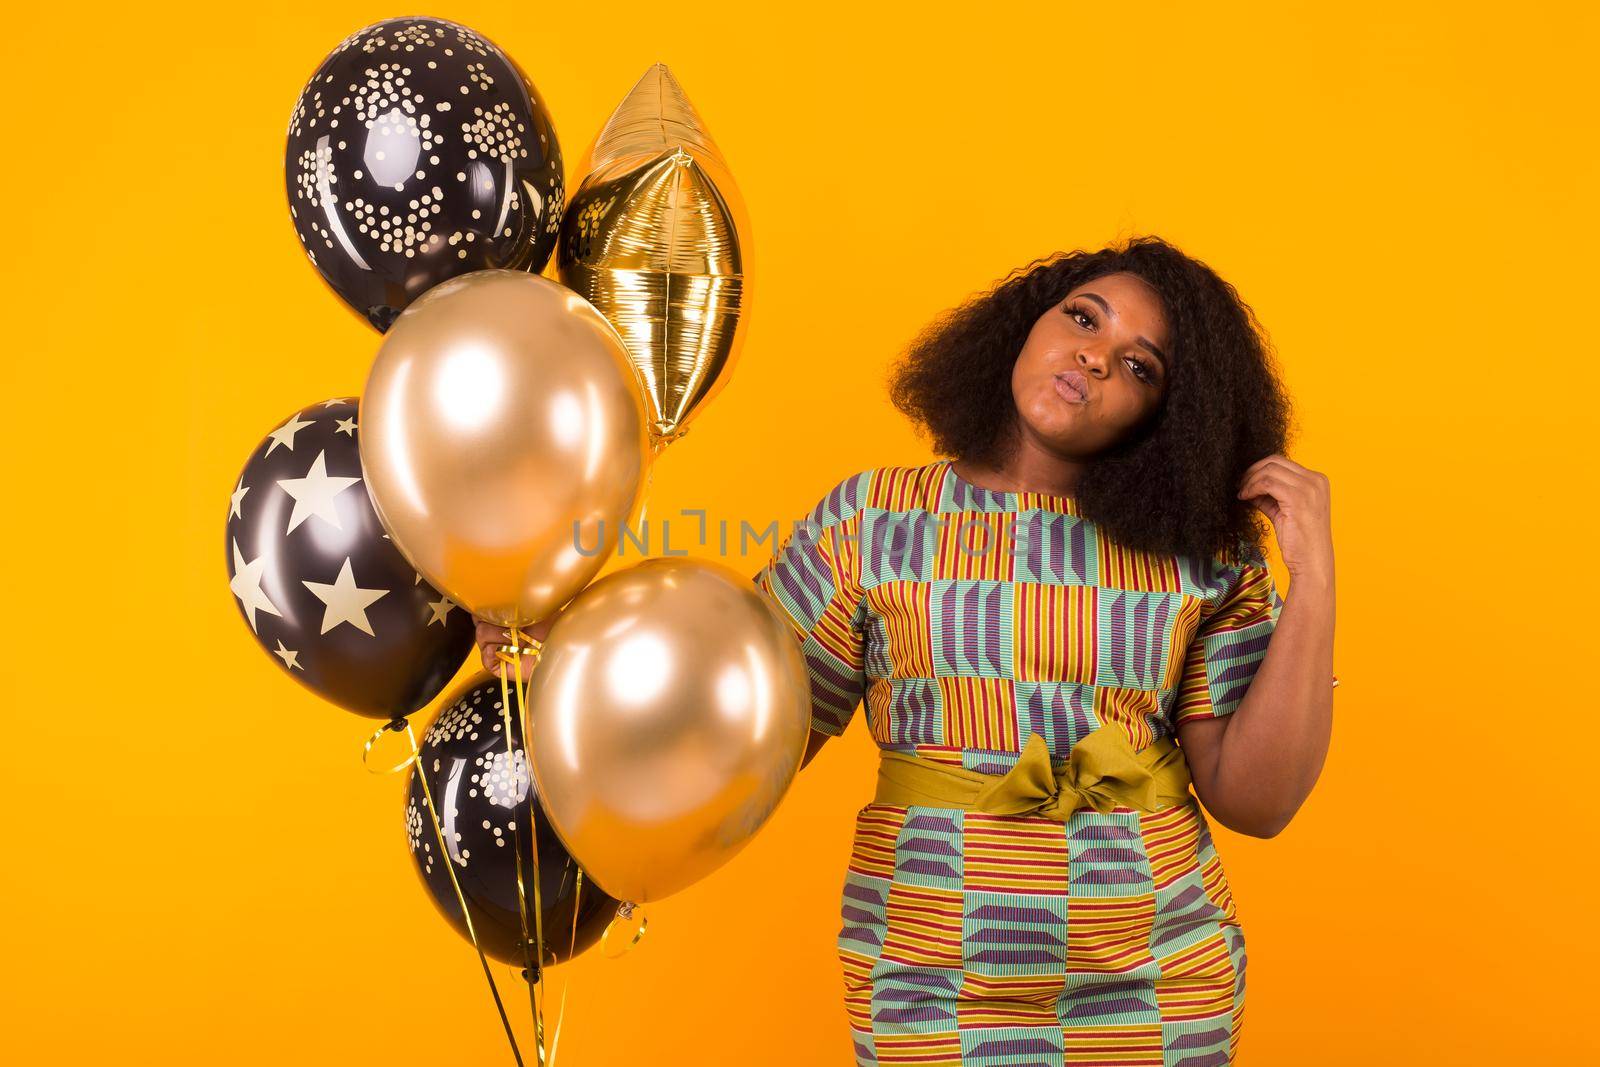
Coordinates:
501 443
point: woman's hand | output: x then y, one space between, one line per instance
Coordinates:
1253 769
1295 499
493 640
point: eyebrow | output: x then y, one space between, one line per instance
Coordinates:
1140 341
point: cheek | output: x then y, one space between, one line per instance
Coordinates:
1035 395
1049 417
1046 347
1033 375
1026 379
1128 408
1027 367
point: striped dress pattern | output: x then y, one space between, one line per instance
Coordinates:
964 620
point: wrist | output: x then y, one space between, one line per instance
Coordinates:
1315 582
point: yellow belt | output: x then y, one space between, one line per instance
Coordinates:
1102 772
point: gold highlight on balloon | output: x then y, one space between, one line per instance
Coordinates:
504 443
657 237
668 715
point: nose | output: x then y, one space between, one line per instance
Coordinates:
1091 361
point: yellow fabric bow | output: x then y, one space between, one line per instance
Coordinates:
1102 772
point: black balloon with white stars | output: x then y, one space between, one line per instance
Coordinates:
419 151
319 583
484 795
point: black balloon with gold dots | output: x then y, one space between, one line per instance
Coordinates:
419 151
486 799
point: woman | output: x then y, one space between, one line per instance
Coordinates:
1058 631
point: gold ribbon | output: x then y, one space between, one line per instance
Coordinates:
532 947
1102 772
625 911
572 950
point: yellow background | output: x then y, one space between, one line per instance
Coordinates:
199 871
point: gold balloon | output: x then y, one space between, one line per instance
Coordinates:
657 238
667 717
503 441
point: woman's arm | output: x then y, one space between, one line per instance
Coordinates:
1254 768
814 580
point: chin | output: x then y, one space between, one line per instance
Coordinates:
1062 442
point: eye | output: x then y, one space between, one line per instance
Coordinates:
1140 370
1080 315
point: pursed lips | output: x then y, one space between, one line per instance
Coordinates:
1073 387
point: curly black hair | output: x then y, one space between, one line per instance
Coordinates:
1172 486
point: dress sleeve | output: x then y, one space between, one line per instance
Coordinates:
814 577
1231 639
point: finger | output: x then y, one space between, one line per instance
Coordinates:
1251 486
520 640
1279 477
1279 459
1268 483
489 632
1277 462
1267 506
523 662
1255 471
490 663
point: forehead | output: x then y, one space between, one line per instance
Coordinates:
1131 298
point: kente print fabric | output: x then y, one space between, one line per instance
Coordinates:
966 620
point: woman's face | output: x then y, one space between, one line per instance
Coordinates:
1094 366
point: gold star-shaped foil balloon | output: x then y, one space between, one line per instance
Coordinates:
657 238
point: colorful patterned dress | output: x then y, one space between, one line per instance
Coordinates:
967 619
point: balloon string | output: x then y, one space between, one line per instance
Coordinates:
625 910
660 439
572 950
658 445
528 948
533 824
366 750
644 507
461 900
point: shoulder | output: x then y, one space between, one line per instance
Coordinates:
1242 559
1237 583
1236 556
1216 577
886 488
843 500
